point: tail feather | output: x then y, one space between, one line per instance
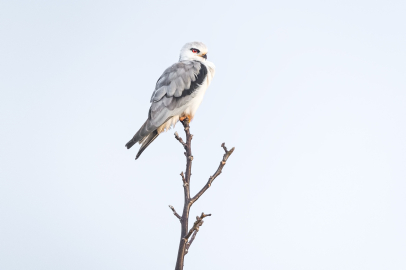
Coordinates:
138 137
130 144
146 142
145 136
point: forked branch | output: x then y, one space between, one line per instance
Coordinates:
188 201
197 224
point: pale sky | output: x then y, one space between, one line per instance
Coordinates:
312 95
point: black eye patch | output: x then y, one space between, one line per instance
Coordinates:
195 50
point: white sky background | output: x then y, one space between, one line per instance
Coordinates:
312 95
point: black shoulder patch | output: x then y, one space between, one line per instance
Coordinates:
199 80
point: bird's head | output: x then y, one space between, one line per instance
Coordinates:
193 51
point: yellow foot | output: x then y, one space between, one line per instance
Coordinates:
183 118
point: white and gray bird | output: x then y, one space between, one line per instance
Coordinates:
177 95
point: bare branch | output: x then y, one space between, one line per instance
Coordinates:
184 221
174 212
183 179
180 140
197 224
188 244
187 234
193 237
217 173
224 147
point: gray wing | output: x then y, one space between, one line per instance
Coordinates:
176 87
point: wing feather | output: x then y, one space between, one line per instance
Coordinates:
180 86
176 87
159 93
167 101
171 89
172 76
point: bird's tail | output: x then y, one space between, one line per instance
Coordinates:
145 136
130 144
146 142
141 134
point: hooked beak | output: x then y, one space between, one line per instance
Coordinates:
204 56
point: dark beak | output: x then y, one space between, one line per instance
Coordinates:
204 56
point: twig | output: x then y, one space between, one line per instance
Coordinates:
217 173
174 212
197 224
224 147
180 140
183 179
188 244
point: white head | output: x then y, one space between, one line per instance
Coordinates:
193 51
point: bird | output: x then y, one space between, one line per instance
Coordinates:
178 94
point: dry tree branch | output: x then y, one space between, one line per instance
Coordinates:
180 140
174 212
183 179
188 201
217 173
197 224
194 230
188 244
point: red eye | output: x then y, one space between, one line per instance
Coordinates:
194 50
